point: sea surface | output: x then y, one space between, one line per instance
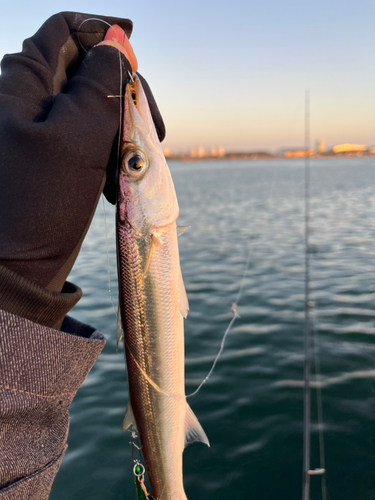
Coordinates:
252 406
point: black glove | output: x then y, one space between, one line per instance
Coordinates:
57 131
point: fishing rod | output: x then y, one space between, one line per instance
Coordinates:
307 472
307 326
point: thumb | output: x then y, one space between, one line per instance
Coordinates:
84 120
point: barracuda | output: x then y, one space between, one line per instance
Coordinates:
153 301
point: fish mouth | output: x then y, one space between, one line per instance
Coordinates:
132 88
133 94
138 106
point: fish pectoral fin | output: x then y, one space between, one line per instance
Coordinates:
193 429
119 330
129 419
154 242
182 229
183 303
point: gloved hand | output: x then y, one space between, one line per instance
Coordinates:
57 131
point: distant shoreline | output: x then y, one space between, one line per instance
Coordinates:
266 156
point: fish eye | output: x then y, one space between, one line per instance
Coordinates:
134 163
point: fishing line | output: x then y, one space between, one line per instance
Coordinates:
118 161
118 154
140 478
85 21
236 315
120 95
139 470
150 381
108 262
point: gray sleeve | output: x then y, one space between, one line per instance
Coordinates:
40 371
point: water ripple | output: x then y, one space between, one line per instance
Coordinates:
252 406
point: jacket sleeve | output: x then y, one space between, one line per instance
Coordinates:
41 369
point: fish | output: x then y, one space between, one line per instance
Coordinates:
152 300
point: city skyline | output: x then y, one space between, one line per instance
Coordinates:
317 150
235 75
318 146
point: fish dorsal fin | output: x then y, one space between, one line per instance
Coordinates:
193 429
129 419
183 303
182 229
119 331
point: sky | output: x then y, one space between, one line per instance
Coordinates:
234 73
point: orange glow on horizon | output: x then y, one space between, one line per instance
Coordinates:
343 148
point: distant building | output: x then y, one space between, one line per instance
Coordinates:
201 152
349 148
371 151
299 153
320 146
167 152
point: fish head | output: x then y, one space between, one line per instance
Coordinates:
146 195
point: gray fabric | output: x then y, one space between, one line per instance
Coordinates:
40 372
25 298
35 486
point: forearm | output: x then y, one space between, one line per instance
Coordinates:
40 372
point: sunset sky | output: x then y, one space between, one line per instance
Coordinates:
235 73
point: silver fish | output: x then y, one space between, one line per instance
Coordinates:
153 301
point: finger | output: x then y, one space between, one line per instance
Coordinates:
50 58
84 120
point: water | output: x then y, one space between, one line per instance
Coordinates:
252 406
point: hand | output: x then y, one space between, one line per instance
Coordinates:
58 128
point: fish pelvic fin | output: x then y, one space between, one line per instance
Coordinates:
129 419
193 429
182 229
153 242
183 303
119 330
